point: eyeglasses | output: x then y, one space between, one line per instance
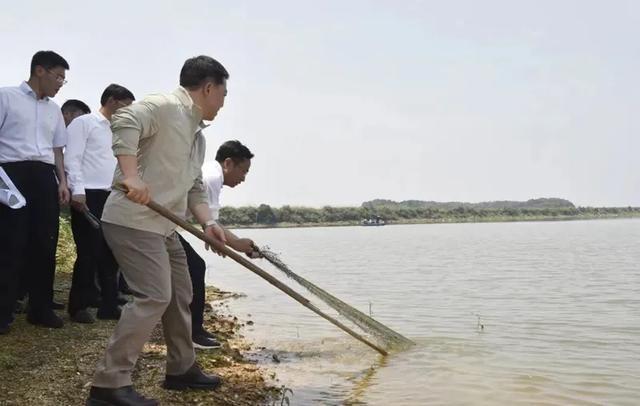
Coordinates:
59 78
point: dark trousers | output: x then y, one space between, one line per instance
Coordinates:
94 259
29 238
197 268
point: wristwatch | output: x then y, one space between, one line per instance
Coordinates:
209 223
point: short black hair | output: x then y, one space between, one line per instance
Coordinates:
234 150
48 60
117 92
73 105
200 69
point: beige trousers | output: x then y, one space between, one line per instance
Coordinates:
155 268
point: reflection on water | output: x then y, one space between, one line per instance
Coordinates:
559 302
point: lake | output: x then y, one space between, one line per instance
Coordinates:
501 313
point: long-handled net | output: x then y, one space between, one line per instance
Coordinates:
222 248
391 339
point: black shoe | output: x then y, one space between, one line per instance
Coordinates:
203 342
207 334
124 396
109 313
83 316
194 378
57 306
46 319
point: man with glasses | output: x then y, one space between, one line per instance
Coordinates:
32 135
90 165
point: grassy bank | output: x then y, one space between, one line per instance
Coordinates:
417 212
445 220
41 366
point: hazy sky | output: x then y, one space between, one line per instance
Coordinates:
346 101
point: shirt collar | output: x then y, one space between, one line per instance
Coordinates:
183 95
24 86
101 117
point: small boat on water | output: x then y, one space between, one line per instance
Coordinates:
374 221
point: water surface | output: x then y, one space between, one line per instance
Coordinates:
502 313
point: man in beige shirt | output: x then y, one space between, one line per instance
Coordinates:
160 150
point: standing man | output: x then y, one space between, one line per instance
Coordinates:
90 165
32 135
160 150
230 168
73 108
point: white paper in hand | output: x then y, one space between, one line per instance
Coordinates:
9 193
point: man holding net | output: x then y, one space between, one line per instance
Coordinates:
160 150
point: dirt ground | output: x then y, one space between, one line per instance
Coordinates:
40 366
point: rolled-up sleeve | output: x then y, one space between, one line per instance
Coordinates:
134 123
197 194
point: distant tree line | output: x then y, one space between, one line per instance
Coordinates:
541 203
266 215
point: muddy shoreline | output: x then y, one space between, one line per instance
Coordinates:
40 366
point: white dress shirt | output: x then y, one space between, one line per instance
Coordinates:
88 158
29 127
213 179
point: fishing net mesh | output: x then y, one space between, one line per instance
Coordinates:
389 338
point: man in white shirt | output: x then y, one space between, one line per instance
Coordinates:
73 108
70 109
90 164
32 136
230 168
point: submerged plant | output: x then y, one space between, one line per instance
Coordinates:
283 396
